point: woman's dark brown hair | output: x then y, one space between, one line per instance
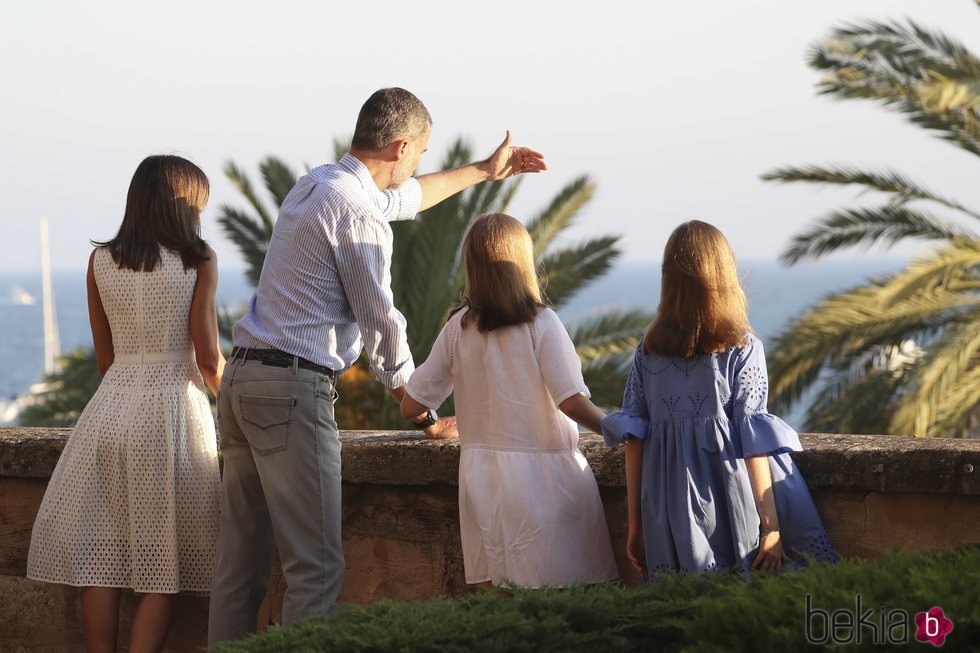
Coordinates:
702 305
163 208
501 283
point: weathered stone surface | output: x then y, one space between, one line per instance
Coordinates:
401 519
30 452
19 500
858 462
867 524
890 463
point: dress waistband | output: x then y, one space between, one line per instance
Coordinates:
151 357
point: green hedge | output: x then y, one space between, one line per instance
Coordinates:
708 612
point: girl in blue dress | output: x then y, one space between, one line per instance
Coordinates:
709 479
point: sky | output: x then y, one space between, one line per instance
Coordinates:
674 109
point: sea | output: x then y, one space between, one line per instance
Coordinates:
776 293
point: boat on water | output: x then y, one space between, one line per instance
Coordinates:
17 296
10 410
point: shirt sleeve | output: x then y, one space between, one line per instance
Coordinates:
402 203
756 431
634 419
363 257
432 381
559 362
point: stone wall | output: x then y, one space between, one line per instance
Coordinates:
401 533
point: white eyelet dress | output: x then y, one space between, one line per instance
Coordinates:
133 501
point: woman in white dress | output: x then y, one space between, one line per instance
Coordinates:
133 501
529 507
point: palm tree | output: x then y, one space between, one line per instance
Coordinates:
65 392
427 278
901 354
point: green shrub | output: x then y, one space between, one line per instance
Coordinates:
706 612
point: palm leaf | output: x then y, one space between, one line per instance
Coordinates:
609 336
857 406
959 411
545 226
566 271
241 181
279 178
866 226
942 368
852 321
953 268
251 237
902 66
341 146
886 181
605 381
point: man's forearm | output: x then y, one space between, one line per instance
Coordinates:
437 186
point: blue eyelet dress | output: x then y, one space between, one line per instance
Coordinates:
699 419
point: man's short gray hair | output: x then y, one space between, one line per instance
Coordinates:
389 115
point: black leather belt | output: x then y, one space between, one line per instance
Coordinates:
278 358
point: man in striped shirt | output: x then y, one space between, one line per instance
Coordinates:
325 289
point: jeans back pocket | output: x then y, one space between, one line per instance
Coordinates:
266 421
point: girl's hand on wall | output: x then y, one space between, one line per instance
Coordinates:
636 552
771 555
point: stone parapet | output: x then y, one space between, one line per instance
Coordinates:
401 518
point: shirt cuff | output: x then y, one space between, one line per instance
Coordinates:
396 378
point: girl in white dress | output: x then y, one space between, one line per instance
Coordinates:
529 507
133 501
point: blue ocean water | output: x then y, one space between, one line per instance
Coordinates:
776 295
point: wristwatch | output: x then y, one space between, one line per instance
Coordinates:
430 419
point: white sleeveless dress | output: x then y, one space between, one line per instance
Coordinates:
133 501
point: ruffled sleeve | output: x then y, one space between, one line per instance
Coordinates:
634 419
757 433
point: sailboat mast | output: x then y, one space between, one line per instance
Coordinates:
52 346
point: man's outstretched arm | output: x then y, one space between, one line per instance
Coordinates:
506 161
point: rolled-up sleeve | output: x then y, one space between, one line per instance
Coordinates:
364 265
402 203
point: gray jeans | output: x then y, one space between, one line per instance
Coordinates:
280 486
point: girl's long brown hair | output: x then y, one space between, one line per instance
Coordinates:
501 283
702 305
163 208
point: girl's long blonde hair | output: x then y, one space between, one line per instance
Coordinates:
702 305
501 282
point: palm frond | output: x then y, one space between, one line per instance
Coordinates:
609 336
852 321
251 237
66 392
866 226
546 225
226 325
886 181
958 412
341 146
907 68
941 369
605 380
858 406
279 178
954 268
566 271
241 181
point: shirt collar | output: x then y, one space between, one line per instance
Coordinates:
353 165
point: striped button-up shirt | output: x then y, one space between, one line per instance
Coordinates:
326 280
